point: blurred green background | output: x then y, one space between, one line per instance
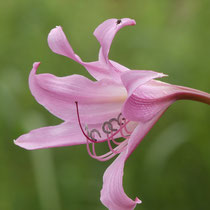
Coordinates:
171 167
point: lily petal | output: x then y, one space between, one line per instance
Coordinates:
112 193
65 134
59 44
101 100
106 32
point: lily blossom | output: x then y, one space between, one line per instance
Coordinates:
118 109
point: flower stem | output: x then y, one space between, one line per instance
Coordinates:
193 94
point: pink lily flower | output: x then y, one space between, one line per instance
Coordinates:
121 104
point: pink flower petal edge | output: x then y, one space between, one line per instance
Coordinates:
112 193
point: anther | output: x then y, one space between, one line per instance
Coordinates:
113 120
92 136
105 126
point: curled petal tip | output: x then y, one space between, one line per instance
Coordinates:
36 65
138 201
128 21
53 33
59 44
133 22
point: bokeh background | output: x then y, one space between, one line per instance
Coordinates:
171 167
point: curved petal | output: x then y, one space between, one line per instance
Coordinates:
98 101
65 134
59 44
112 193
105 33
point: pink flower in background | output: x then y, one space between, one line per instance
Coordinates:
121 104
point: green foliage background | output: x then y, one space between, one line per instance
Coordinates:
171 167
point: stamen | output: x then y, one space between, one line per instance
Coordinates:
109 127
113 120
104 157
92 133
110 146
109 154
110 132
105 131
115 142
127 131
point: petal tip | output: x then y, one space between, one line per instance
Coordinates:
133 22
137 200
24 144
16 142
129 21
36 65
53 34
163 75
54 29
